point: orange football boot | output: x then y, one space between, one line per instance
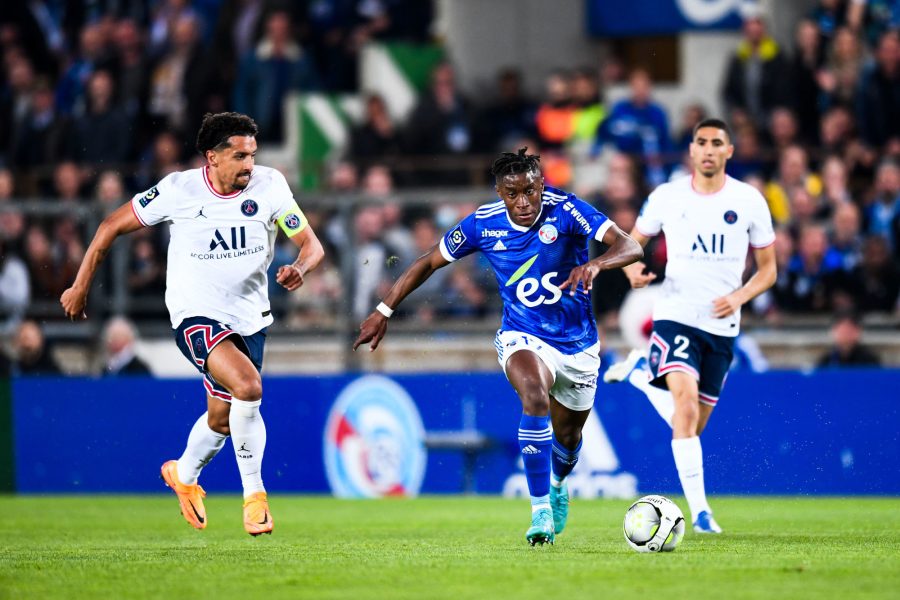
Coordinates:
189 496
257 518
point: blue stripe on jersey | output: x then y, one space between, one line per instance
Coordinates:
530 265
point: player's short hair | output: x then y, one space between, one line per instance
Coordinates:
712 122
219 127
513 163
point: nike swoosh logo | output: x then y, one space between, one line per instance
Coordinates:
199 518
265 519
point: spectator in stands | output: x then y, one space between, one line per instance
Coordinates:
779 297
120 358
839 79
441 124
873 17
882 215
809 272
846 349
835 182
370 258
72 85
164 157
15 288
433 299
748 158
131 69
845 235
509 117
639 127
878 95
806 209
67 182
784 131
589 107
40 138
49 273
754 80
836 131
15 102
110 191
146 270
793 171
829 16
874 285
276 66
102 135
691 115
804 69
30 353
165 23
376 138
554 117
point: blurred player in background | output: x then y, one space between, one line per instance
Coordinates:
536 240
223 225
709 220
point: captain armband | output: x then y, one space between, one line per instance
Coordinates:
293 221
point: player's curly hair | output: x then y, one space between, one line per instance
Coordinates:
513 163
218 127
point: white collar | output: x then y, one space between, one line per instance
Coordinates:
520 227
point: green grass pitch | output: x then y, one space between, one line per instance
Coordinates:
439 547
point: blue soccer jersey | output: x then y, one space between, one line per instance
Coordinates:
531 262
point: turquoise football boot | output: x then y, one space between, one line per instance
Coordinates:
541 530
559 502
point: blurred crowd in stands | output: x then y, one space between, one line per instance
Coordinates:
100 99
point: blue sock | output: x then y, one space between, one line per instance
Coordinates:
534 442
563 460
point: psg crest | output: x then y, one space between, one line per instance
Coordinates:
374 441
292 221
249 207
730 217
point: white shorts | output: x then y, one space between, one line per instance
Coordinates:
574 375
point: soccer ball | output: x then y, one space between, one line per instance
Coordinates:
653 524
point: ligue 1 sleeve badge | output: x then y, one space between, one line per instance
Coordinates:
548 233
249 207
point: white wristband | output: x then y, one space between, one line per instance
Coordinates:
384 309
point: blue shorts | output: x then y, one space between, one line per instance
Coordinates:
197 336
703 355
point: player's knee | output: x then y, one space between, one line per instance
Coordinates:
536 404
568 436
689 411
249 389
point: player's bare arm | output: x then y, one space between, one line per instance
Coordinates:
763 279
375 326
120 222
622 251
311 253
636 272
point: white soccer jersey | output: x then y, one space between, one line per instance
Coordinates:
220 246
707 240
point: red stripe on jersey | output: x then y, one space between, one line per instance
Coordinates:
212 189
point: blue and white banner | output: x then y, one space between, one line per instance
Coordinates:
653 17
771 433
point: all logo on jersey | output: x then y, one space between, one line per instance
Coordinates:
249 207
238 240
715 244
149 197
548 234
456 239
730 217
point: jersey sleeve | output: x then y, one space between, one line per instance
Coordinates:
761 231
459 241
156 204
583 219
650 219
285 211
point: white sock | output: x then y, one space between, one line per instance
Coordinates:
661 400
248 436
202 445
689 462
556 481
